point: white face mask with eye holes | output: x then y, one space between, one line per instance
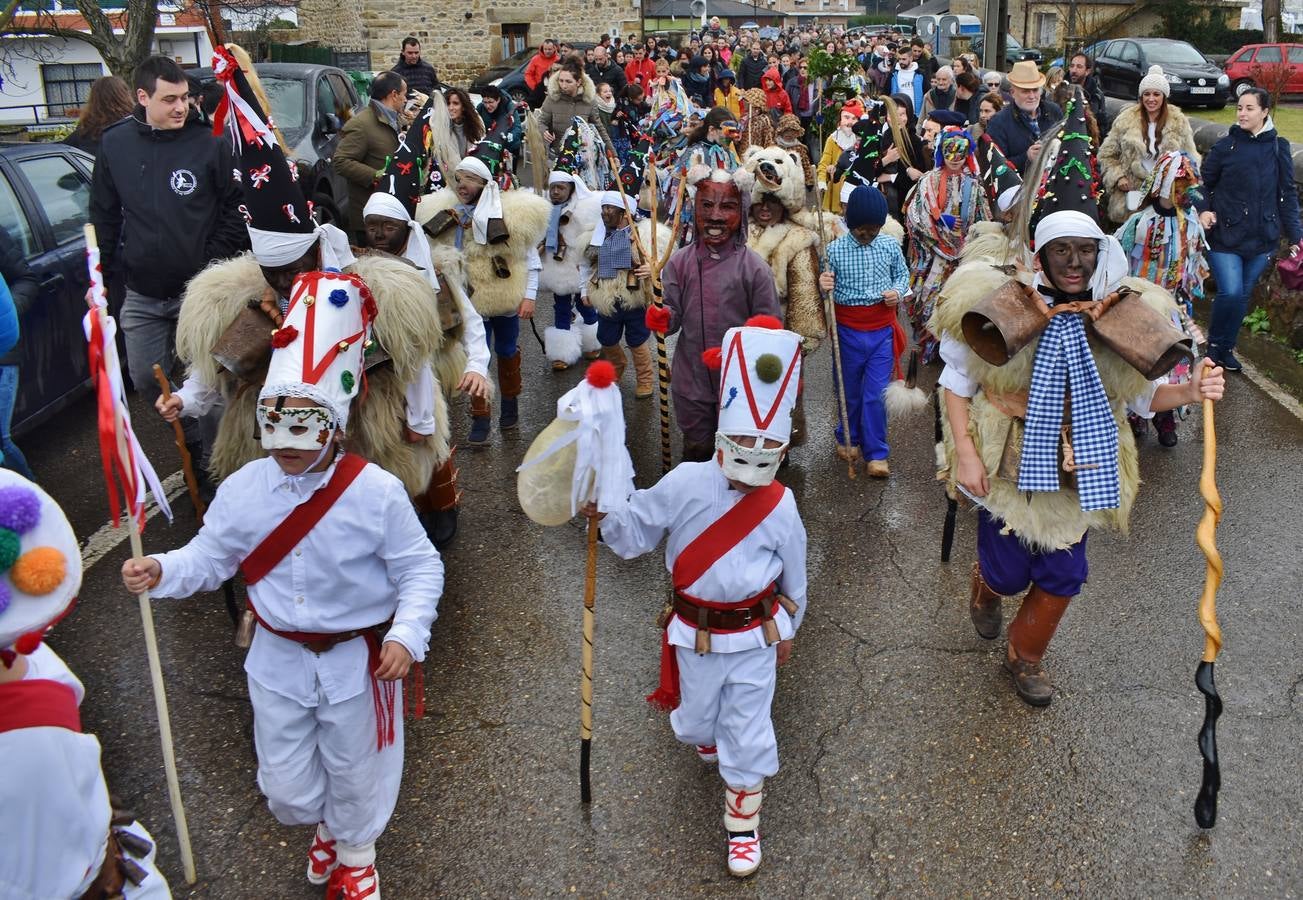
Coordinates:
754 466
295 428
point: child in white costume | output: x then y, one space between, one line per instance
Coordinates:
740 589
330 548
64 839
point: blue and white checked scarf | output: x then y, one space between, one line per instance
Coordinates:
464 215
1064 363
615 255
554 227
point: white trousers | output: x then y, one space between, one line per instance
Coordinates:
319 764
725 701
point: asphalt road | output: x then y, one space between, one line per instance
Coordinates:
909 766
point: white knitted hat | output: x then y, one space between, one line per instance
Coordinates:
1154 80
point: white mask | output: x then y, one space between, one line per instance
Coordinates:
295 428
754 466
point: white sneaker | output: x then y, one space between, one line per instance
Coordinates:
708 754
321 856
743 854
354 883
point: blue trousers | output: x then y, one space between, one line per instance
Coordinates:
631 324
503 334
866 371
13 457
1236 275
1009 566
563 303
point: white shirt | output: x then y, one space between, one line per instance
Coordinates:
367 559
533 265
684 503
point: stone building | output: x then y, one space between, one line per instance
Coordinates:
460 37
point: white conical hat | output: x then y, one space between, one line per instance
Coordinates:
760 379
41 562
317 352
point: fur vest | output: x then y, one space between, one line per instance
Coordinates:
603 293
526 216
791 251
407 327
576 230
1043 521
1127 144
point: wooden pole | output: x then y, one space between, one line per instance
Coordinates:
586 688
1205 804
839 383
187 465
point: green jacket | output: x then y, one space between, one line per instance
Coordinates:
365 143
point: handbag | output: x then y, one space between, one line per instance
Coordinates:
1290 270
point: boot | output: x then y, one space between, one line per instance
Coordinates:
1139 426
615 356
321 856
480 422
697 452
642 371
984 606
1165 425
708 753
509 386
1029 635
437 506
742 821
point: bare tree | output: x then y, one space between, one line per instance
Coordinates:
121 53
1271 21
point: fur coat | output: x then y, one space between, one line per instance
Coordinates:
603 293
407 327
1044 521
525 214
791 250
558 110
576 230
1123 152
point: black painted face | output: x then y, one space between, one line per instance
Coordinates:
560 192
614 217
768 211
1069 263
281 278
384 233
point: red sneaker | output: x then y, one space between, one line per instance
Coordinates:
354 883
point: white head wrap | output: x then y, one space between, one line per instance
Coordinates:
612 198
280 248
417 249
1111 266
490 202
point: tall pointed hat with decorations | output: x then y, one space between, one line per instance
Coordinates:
1001 180
404 172
1068 181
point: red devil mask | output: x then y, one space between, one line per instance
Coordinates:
718 211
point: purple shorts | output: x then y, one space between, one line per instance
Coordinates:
1009 566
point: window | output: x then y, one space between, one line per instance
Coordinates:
64 193
514 39
1127 52
287 96
14 220
1296 55
1046 25
346 99
1268 56
325 98
68 86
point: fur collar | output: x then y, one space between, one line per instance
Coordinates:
777 244
587 95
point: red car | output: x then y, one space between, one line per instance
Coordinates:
1266 66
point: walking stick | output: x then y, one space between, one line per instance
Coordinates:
586 689
952 504
830 313
1205 804
658 301
187 465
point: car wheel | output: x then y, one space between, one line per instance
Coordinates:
1241 86
325 211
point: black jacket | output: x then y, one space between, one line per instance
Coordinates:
164 204
751 70
613 75
22 285
420 77
1095 98
1012 130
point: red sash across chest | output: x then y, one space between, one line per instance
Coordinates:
38 703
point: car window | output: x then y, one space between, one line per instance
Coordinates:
64 193
287 101
1296 55
14 220
325 98
1179 53
1267 56
1128 52
345 98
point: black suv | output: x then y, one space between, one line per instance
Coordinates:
310 104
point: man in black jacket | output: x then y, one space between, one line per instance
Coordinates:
753 67
1018 128
603 68
164 204
1082 71
419 74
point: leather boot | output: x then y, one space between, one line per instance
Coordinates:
437 506
644 376
615 356
480 422
1029 635
509 386
984 606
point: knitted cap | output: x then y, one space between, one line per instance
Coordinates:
1154 80
866 206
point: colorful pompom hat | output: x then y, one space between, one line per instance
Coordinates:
760 379
40 561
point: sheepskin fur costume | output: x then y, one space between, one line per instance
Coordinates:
604 292
1043 521
789 136
792 253
576 230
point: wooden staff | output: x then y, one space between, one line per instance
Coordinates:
839 383
1205 804
187 465
586 689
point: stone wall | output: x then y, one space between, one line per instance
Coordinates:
332 23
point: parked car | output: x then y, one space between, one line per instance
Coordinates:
1092 51
1264 66
1013 51
1193 79
44 205
310 104
509 75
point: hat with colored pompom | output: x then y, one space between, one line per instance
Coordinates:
40 561
759 380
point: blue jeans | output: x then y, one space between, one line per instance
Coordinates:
1236 275
631 323
502 333
563 303
13 457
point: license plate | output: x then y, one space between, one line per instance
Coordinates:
1202 90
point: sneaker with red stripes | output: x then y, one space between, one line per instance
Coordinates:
321 856
708 754
743 853
354 883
